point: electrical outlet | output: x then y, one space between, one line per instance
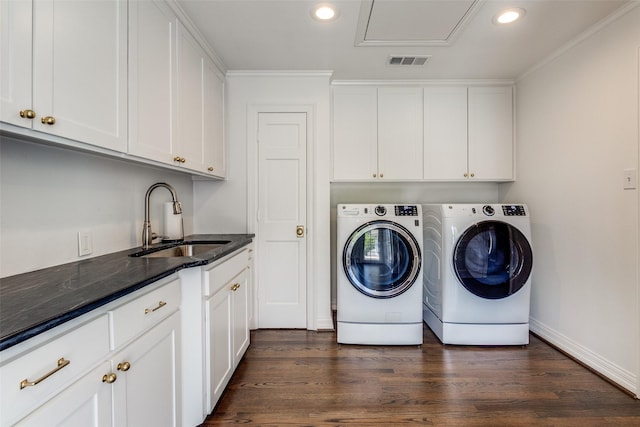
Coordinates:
85 243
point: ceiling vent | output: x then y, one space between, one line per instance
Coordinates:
407 60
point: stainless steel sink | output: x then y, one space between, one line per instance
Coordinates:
189 249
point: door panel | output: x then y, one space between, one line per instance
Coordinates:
282 139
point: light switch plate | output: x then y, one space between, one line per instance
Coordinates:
630 179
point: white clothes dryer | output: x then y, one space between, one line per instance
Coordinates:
379 274
478 260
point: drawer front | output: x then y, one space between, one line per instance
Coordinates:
221 274
142 313
33 378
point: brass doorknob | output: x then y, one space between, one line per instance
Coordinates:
28 114
48 120
300 231
210 168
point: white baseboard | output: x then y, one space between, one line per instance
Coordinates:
618 375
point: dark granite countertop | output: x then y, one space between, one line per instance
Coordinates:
34 302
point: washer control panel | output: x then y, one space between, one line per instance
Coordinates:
513 210
406 210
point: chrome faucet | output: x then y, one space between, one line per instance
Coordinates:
147 234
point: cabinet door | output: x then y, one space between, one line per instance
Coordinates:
87 402
218 352
15 61
80 70
240 310
147 389
152 65
355 134
491 133
214 143
400 146
190 123
445 133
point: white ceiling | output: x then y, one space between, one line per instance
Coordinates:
282 35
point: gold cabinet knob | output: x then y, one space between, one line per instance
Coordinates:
124 366
176 159
28 114
48 120
235 287
473 174
210 168
300 231
374 175
381 175
109 378
466 175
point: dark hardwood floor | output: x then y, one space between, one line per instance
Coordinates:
304 378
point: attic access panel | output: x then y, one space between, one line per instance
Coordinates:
413 22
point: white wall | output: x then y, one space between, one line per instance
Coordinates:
230 206
48 194
577 130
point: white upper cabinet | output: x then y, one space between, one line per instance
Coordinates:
76 53
355 132
491 133
423 133
445 133
191 142
400 133
16 45
176 96
215 155
377 133
152 92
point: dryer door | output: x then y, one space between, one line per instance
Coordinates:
381 259
493 259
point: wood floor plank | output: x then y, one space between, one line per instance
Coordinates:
304 378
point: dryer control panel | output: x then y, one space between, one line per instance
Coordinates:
513 210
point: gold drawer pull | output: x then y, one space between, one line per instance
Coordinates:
62 362
151 310
124 366
235 287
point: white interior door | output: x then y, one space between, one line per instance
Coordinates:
282 213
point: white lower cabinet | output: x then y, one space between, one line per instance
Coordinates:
226 323
146 391
119 365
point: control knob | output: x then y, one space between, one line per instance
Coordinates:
381 210
488 210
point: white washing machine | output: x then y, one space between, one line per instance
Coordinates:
478 261
379 277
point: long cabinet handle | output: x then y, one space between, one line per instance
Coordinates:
158 307
62 362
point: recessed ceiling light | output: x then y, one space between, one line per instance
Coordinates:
508 16
324 12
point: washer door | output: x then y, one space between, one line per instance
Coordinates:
381 259
493 259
